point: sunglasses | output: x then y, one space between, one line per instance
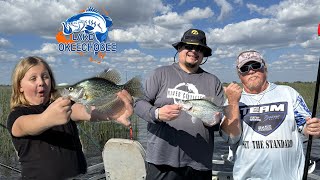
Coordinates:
190 47
254 66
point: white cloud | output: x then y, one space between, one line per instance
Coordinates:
292 13
135 56
253 33
4 43
163 31
46 49
238 2
33 16
198 13
226 8
312 44
182 2
173 20
45 17
255 8
6 56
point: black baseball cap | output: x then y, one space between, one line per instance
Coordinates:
195 37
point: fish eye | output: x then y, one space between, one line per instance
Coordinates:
70 88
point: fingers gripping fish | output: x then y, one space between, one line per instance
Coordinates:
203 109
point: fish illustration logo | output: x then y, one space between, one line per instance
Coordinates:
90 21
87 32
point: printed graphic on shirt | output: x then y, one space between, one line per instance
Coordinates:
264 118
184 91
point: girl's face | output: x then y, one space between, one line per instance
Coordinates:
36 85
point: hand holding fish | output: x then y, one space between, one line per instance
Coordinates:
169 112
312 127
203 109
58 112
127 110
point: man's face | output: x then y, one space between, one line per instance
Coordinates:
253 76
191 55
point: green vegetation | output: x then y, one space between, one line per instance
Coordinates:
93 134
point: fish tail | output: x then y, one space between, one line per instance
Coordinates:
134 87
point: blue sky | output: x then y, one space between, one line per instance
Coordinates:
285 32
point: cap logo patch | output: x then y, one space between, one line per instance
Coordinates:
194 32
250 55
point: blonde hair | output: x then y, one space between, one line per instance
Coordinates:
17 98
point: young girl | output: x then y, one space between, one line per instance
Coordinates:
42 124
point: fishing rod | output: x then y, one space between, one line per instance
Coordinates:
88 136
314 112
1 125
10 167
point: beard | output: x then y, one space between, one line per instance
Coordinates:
190 65
255 84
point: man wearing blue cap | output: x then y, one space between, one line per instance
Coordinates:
177 147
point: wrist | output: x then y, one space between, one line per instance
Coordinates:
156 114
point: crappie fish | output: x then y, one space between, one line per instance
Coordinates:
203 109
100 91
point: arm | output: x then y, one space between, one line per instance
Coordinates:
145 107
79 112
231 124
305 124
57 113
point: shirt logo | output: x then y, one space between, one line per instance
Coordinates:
265 118
184 91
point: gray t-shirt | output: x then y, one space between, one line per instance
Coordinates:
180 142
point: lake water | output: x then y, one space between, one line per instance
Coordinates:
220 148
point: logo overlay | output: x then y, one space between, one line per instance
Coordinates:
86 32
265 118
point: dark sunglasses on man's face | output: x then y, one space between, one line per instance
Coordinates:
254 66
193 47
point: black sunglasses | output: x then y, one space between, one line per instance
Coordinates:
254 66
191 47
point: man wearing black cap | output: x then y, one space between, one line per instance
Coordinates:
177 147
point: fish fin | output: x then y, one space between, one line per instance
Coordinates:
134 87
108 20
194 119
112 107
110 75
92 9
101 37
